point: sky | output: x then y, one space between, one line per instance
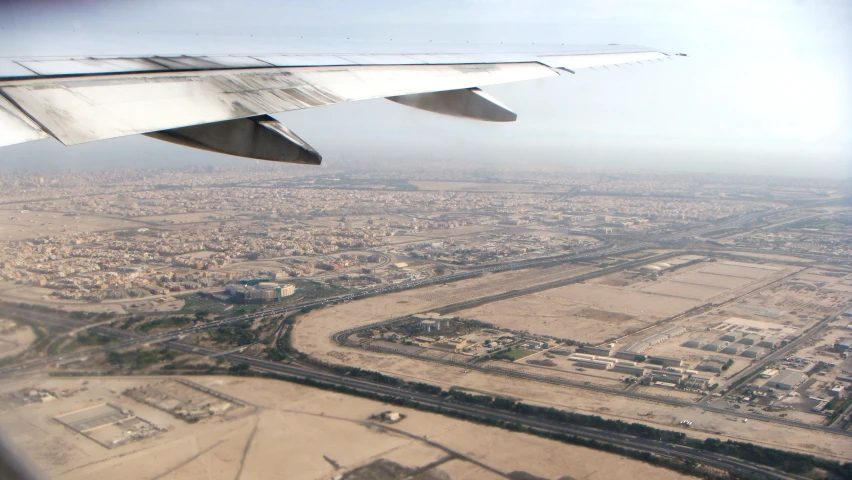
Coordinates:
764 89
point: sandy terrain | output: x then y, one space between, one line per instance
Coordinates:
11 292
313 335
15 339
23 224
560 311
292 432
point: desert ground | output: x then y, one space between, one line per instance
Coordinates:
14 338
621 303
313 335
284 431
23 224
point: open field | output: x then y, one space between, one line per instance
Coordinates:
296 433
14 339
625 302
559 312
23 224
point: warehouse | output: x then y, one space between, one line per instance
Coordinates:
787 380
667 377
712 364
697 342
733 349
638 371
754 352
750 339
627 354
715 346
665 361
769 342
698 381
604 351
594 364
732 336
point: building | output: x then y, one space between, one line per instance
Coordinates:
665 361
637 371
769 342
733 349
754 352
664 376
732 336
697 342
633 350
451 344
843 343
715 346
768 373
288 289
596 364
260 292
698 381
604 351
787 379
750 339
712 364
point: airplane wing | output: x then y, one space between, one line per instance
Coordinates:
222 103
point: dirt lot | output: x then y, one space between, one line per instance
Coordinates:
294 432
556 312
14 339
23 224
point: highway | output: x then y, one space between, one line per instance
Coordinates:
622 440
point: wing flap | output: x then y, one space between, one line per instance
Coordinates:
262 138
82 109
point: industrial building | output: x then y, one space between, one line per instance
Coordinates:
787 379
842 344
715 346
638 371
698 381
732 336
631 351
604 351
697 342
712 364
665 361
596 364
769 342
750 339
733 349
663 376
754 352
